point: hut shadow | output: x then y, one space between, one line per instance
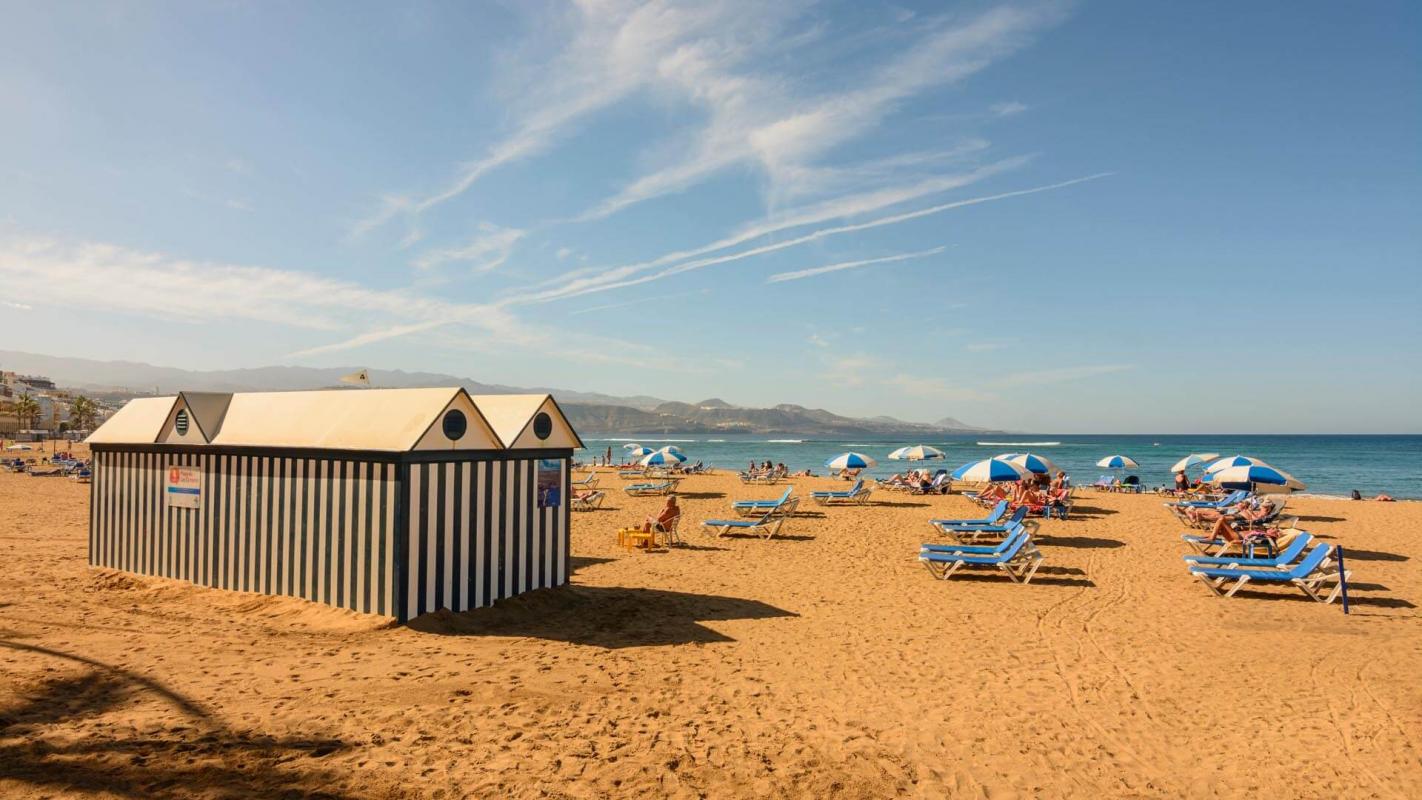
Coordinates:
1080 541
610 617
576 563
173 764
1354 554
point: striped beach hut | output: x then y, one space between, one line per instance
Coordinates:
395 502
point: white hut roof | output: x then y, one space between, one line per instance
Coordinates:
364 419
138 422
512 414
355 419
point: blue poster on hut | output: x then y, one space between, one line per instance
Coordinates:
550 483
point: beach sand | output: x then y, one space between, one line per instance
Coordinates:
826 663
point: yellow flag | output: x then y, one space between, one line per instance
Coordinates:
359 378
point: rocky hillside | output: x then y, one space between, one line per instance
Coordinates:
715 416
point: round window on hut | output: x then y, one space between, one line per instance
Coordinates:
542 425
180 422
455 424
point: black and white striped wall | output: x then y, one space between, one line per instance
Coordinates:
376 533
477 534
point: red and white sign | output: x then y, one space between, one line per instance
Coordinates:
182 487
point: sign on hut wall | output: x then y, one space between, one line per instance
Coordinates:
550 483
182 487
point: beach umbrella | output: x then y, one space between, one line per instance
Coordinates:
1245 474
1235 461
1033 463
662 458
845 461
990 470
671 448
639 451
631 446
1193 460
920 452
1117 462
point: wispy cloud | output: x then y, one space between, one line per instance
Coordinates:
488 250
1059 375
16 306
986 347
641 301
1007 109
597 55
636 274
936 388
750 119
780 277
114 279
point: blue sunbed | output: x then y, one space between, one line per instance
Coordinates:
1309 575
1020 561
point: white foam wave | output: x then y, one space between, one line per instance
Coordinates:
1018 444
784 441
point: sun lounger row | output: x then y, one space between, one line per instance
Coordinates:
858 494
1227 575
1016 555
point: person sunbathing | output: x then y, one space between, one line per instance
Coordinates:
993 493
1245 511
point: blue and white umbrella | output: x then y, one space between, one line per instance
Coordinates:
990 470
639 451
1117 462
1244 475
662 458
1193 460
1235 461
845 461
1032 463
671 448
919 452
632 446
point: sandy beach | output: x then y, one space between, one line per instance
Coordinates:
825 663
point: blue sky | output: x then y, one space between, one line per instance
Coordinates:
1099 216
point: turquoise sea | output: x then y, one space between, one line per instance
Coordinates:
1329 465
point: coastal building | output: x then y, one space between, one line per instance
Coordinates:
395 502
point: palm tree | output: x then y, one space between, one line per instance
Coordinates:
26 409
82 413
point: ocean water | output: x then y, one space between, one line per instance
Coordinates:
1328 465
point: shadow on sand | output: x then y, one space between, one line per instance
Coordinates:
1079 541
611 617
201 755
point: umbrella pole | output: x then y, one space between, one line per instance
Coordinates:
1342 578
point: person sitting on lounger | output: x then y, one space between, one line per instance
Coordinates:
1245 511
1182 482
671 512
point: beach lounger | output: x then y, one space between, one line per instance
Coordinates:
976 549
1019 560
643 489
1310 574
766 526
993 518
588 482
973 532
1297 544
857 493
1236 496
591 501
751 507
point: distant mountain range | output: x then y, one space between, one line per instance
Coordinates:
590 412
